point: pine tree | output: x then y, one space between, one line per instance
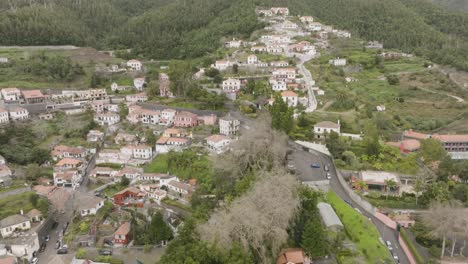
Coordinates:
313 239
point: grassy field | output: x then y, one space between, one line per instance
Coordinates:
88 58
185 165
360 230
421 100
13 204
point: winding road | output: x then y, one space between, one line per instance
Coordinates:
302 160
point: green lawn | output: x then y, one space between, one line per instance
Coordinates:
13 204
360 230
400 202
185 165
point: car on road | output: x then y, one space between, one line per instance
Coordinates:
397 260
328 175
34 261
389 245
65 246
54 225
357 210
62 251
47 238
57 244
105 252
327 168
315 165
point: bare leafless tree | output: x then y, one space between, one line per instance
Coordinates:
447 221
258 219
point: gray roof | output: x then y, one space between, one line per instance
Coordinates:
329 217
13 220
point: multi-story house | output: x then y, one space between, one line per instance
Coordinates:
107 119
19 113
228 125
33 96
290 98
231 85
11 94
4 117
185 119
134 65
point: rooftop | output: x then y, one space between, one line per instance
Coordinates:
13 220
327 124
328 215
123 229
378 177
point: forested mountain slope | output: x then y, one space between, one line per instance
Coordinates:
163 29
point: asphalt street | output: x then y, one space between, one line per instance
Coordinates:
303 159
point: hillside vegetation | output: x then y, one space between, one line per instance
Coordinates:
162 29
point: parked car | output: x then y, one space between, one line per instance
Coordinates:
34 260
62 251
47 238
105 252
43 247
357 210
108 241
65 246
327 168
328 175
54 225
315 165
57 244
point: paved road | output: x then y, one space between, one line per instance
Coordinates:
304 171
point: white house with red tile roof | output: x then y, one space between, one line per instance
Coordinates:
290 98
231 85
107 119
18 113
218 143
89 204
326 127
134 65
278 64
62 151
282 11
252 59
221 65
285 74
11 94
139 83
306 19
234 43
141 151
289 25
136 98
67 178
277 85
165 144
258 49
167 117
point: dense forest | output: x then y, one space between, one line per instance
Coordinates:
163 29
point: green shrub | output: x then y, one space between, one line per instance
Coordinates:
412 247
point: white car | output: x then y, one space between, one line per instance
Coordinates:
34 260
389 245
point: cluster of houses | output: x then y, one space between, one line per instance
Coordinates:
70 165
455 144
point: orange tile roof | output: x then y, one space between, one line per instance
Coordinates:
291 255
65 161
451 138
123 229
216 138
29 94
289 93
415 135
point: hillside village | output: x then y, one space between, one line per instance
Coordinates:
125 187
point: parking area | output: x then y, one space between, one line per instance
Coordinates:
306 165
